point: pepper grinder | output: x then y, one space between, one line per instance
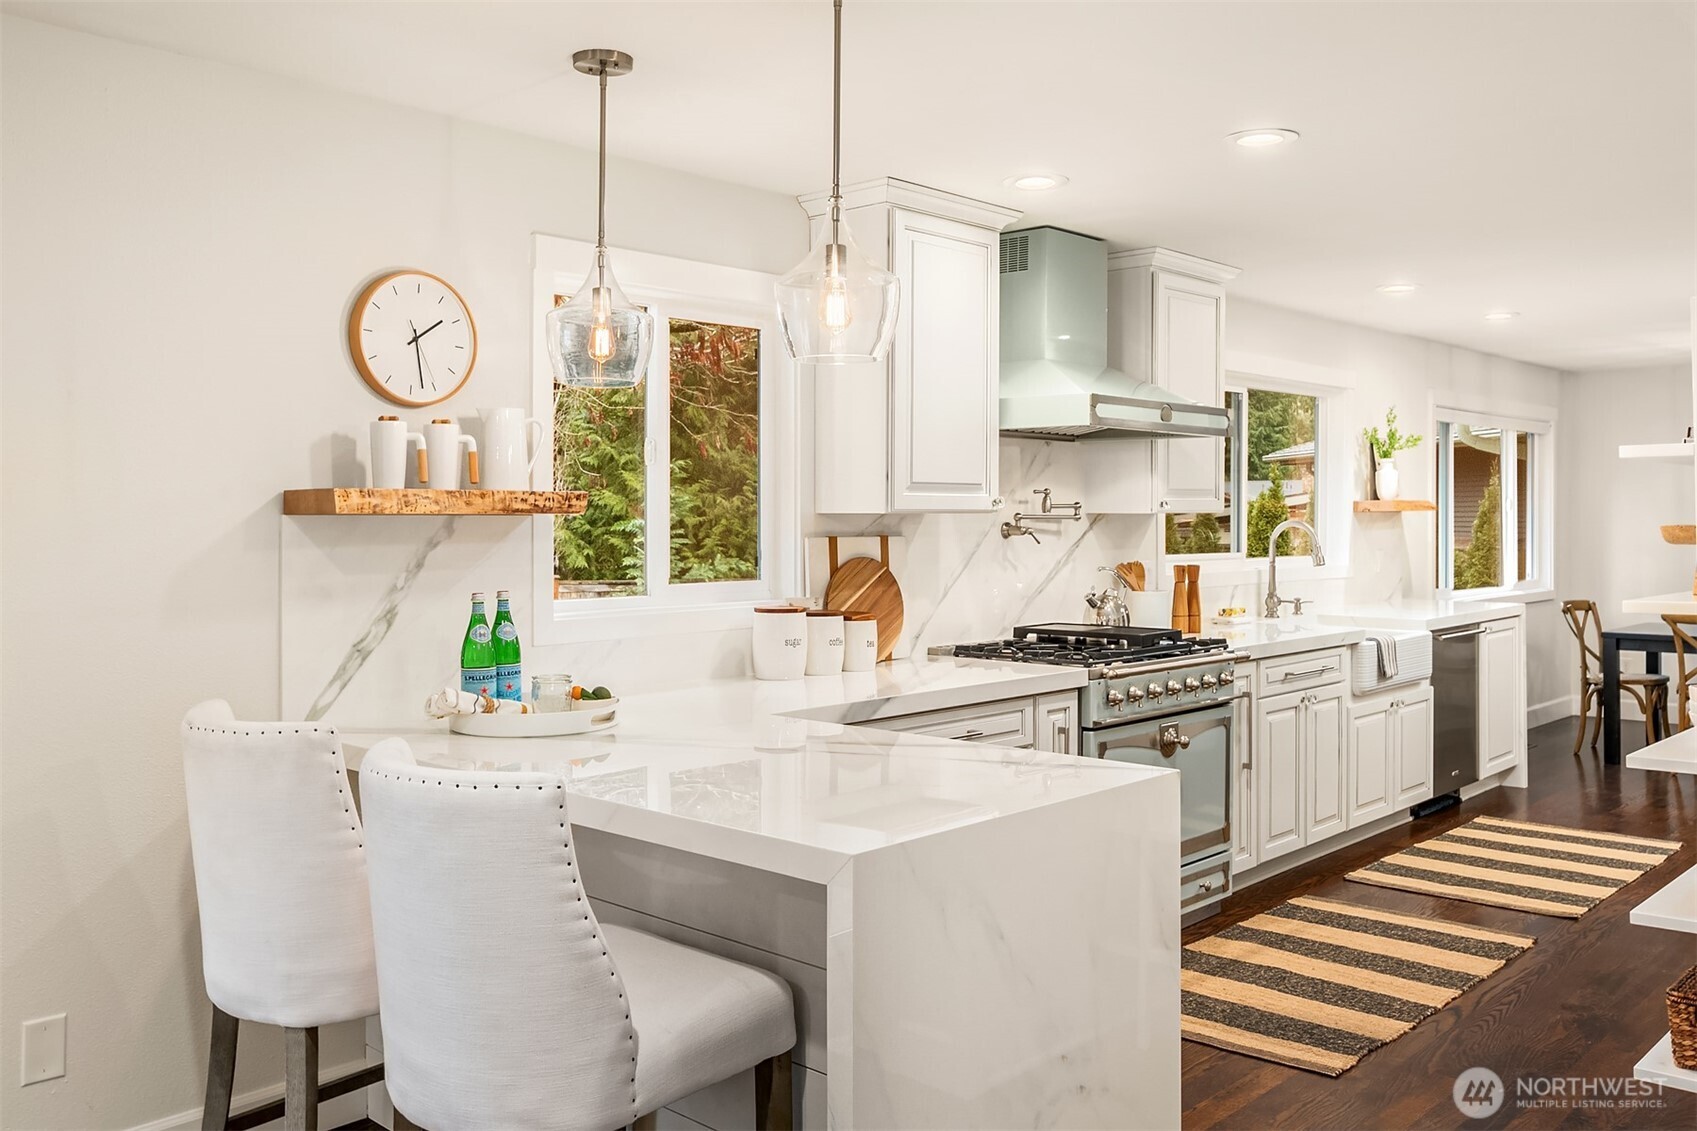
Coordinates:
1181 599
1193 592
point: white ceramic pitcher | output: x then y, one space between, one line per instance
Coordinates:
509 452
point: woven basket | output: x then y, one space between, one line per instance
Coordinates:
1682 1019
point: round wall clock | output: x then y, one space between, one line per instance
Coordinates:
412 338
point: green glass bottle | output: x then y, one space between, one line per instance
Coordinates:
509 675
477 653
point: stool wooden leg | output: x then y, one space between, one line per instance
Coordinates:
646 1122
402 1123
774 1102
220 1071
1584 717
300 1079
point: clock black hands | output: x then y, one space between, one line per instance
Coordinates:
417 334
417 352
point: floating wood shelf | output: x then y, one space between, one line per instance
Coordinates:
389 501
1387 506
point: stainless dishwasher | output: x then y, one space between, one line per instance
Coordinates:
1455 713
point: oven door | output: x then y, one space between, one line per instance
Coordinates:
1198 744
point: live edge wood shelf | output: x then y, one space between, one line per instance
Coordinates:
381 501
1385 506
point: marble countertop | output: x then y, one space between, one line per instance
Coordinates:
786 777
1264 639
1432 615
1332 627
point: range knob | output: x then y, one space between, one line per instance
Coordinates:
1134 693
1174 687
1210 681
1156 691
1226 678
1115 699
1191 684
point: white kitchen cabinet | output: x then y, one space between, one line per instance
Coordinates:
920 431
1414 745
1006 722
1502 717
1301 778
1057 722
1166 325
1390 753
1326 808
1278 775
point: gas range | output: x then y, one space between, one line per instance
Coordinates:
1134 672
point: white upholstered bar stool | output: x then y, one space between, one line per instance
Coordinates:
506 1004
285 920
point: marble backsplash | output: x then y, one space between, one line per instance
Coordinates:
372 611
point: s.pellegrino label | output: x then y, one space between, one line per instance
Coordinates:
509 675
477 653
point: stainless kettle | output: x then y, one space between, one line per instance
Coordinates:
1109 607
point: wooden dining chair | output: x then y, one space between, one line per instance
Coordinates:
1648 690
1685 650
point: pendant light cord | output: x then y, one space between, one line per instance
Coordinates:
836 122
601 192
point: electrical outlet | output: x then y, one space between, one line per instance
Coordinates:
44 1049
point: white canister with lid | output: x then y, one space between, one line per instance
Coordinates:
780 642
860 642
824 642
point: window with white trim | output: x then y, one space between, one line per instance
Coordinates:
688 508
1273 461
1494 503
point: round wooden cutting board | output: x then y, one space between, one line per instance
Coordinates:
866 585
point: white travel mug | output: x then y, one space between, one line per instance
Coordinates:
443 441
780 642
389 443
860 642
824 642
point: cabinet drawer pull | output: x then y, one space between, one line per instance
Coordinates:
1321 670
967 734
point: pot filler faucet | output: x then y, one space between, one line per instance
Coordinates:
1271 610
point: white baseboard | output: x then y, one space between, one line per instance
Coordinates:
1555 710
331 1113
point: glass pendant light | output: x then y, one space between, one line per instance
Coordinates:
837 306
600 339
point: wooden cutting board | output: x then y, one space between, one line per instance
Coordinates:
866 585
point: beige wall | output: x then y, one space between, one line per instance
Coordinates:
181 240
1610 509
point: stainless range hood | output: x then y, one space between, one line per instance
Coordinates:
1055 380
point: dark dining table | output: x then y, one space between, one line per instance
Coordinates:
1651 639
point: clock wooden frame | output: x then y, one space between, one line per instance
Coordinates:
357 353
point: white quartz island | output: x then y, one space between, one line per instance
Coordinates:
977 936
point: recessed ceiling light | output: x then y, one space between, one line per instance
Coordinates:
1397 288
1501 315
1036 182
1063 337
1262 138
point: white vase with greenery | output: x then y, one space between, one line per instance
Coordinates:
1385 446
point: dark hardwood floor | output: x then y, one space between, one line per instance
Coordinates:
1586 1001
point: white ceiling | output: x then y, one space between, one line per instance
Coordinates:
1530 156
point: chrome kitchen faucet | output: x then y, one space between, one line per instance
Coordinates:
1271 609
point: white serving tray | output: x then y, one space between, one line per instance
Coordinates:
579 720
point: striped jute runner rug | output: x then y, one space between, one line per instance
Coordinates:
1318 985
1546 869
